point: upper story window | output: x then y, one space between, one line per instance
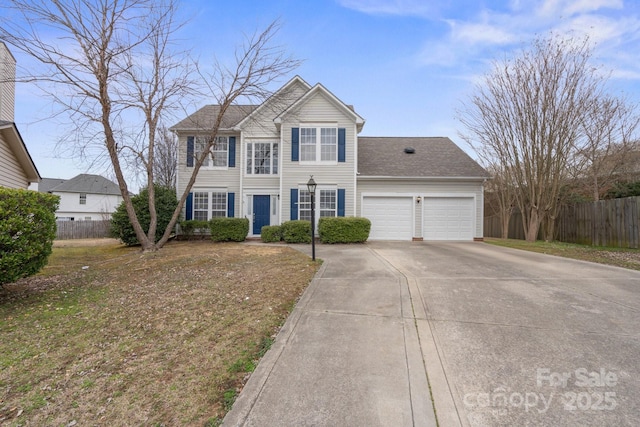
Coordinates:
318 144
262 158
83 198
218 156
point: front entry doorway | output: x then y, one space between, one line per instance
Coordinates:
261 213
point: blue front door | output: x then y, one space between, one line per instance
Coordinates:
261 212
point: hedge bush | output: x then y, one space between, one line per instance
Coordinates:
297 231
27 231
193 226
343 229
166 202
229 229
271 233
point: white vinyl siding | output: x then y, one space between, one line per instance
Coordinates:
11 173
318 112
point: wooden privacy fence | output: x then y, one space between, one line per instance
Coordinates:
82 229
613 222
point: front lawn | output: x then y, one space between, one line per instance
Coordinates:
627 258
108 336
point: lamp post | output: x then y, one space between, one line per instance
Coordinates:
311 186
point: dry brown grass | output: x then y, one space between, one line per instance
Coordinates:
106 335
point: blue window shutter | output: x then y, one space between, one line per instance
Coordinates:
190 149
341 194
342 149
295 144
232 151
189 213
294 204
231 203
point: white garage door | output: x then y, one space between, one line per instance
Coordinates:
448 218
391 217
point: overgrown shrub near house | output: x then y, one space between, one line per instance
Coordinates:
229 229
166 202
343 229
27 231
271 233
297 231
193 227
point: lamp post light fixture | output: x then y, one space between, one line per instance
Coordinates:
311 186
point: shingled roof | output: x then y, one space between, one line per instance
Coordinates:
415 157
84 183
205 117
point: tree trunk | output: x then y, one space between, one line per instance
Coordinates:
532 226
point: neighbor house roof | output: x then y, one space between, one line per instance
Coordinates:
84 183
204 118
46 184
432 157
19 149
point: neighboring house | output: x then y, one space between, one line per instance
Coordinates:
17 169
84 197
410 188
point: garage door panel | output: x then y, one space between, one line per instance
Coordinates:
449 218
391 217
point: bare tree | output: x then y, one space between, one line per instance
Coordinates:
166 158
608 128
526 114
111 64
500 193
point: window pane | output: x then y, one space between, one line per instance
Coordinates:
329 144
201 143
220 151
262 159
304 205
308 144
201 205
218 204
275 159
328 202
249 158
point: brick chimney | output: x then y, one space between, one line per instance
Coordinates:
7 84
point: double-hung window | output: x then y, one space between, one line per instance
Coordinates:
318 144
83 198
209 204
326 204
218 156
262 158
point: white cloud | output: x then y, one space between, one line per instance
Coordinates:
393 7
565 8
479 33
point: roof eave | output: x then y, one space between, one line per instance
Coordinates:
19 148
424 178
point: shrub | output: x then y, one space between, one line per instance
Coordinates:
229 229
193 226
297 231
27 231
166 202
271 233
343 229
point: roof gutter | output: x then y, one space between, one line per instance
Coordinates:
423 178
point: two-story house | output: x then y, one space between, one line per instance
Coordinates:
410 188
85 197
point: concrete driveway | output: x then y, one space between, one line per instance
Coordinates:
490 336
517 338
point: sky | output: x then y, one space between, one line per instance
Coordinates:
405 65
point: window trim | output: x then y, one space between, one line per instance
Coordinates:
318 143
275 158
